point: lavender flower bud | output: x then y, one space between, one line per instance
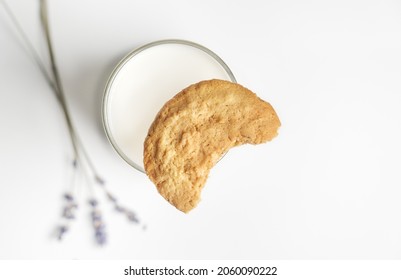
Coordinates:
111 197
96 215
98 224
61 232
100 237
120 209
68 197
93 202
68 213
99 180
132 217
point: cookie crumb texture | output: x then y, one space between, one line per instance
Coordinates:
195 128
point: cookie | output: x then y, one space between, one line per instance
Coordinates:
195 128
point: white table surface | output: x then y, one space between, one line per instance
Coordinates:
328 187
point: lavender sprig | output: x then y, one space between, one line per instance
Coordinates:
70 208
81 157
68 214
131 215
97 222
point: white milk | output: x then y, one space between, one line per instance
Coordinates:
143 85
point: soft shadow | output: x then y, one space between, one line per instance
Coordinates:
85 93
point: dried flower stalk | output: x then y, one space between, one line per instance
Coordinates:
81 157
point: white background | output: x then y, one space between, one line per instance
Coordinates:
328 187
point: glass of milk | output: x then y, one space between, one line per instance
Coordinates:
144 81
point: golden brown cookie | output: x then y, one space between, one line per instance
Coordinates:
195 128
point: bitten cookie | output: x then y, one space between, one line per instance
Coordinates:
195 128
